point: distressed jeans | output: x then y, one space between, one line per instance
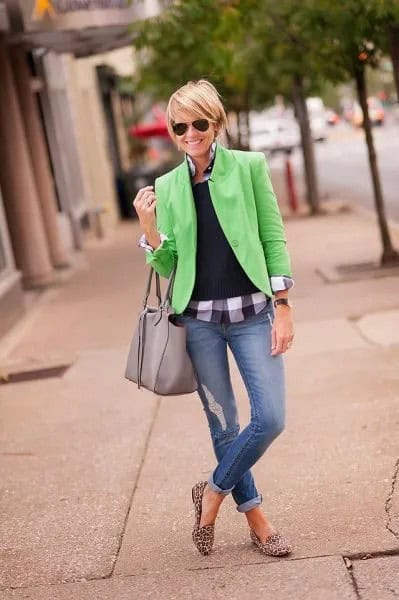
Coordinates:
263 375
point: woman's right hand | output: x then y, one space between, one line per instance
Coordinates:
144 205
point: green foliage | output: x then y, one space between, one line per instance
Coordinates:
251 50
352 33
193 40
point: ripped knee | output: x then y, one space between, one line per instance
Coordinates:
215 408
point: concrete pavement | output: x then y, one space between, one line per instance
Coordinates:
96 475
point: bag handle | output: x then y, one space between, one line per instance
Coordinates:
169 291
162 304
157 288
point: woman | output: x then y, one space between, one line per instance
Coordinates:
217 221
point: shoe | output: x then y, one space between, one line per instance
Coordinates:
275 545
203 537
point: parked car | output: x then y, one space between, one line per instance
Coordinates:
273 135
332 117
318 118
376 112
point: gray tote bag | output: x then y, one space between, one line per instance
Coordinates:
158 359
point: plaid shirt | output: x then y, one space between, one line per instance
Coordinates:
230 310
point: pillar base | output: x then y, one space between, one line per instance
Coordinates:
39 282
12 306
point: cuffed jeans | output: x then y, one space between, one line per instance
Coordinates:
263 376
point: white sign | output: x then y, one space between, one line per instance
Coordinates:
54 7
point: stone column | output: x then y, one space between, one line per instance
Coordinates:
18 185
38 154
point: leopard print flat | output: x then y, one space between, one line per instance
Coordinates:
275 544
203 537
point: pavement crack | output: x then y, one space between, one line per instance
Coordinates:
349 568
362 335
146 445
389 501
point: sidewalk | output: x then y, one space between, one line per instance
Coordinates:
96 475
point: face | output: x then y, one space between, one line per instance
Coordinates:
193 142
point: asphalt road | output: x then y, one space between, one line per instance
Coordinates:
343 167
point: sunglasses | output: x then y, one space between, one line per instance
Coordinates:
199 125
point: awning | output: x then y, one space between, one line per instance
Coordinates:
149 130
156 128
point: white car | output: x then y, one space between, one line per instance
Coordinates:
318 118
273 135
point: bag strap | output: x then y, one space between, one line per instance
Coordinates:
169 291
157 288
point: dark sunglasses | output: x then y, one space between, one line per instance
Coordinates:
199 125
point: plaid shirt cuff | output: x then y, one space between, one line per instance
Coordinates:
144 244
281 282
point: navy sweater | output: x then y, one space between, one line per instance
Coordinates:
219 275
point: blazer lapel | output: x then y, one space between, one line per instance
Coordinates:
184 210
224 164
226 193
223 193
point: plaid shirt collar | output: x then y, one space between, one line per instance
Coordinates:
208 170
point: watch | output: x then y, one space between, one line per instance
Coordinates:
284 301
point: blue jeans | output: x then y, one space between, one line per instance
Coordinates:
263 376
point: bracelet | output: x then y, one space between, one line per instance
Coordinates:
283 301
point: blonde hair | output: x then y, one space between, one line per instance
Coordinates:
199 98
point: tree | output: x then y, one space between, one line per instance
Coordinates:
293 66
351 36
192 40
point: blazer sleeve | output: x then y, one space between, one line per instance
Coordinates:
164 258
271 229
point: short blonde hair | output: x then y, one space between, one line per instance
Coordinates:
199 98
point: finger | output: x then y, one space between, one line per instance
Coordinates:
279 349
145 201
139 194
146 188
274 340
149 208
148 195
148 201
142 191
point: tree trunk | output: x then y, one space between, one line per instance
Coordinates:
394 51
301 112
242 129
389 254
247 122
247 128
238 129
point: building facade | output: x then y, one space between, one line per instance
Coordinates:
58 158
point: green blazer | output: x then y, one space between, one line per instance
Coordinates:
247 209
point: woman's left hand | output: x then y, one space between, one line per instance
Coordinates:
282 330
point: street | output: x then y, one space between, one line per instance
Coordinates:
343 168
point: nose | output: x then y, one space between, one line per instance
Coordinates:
191 129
